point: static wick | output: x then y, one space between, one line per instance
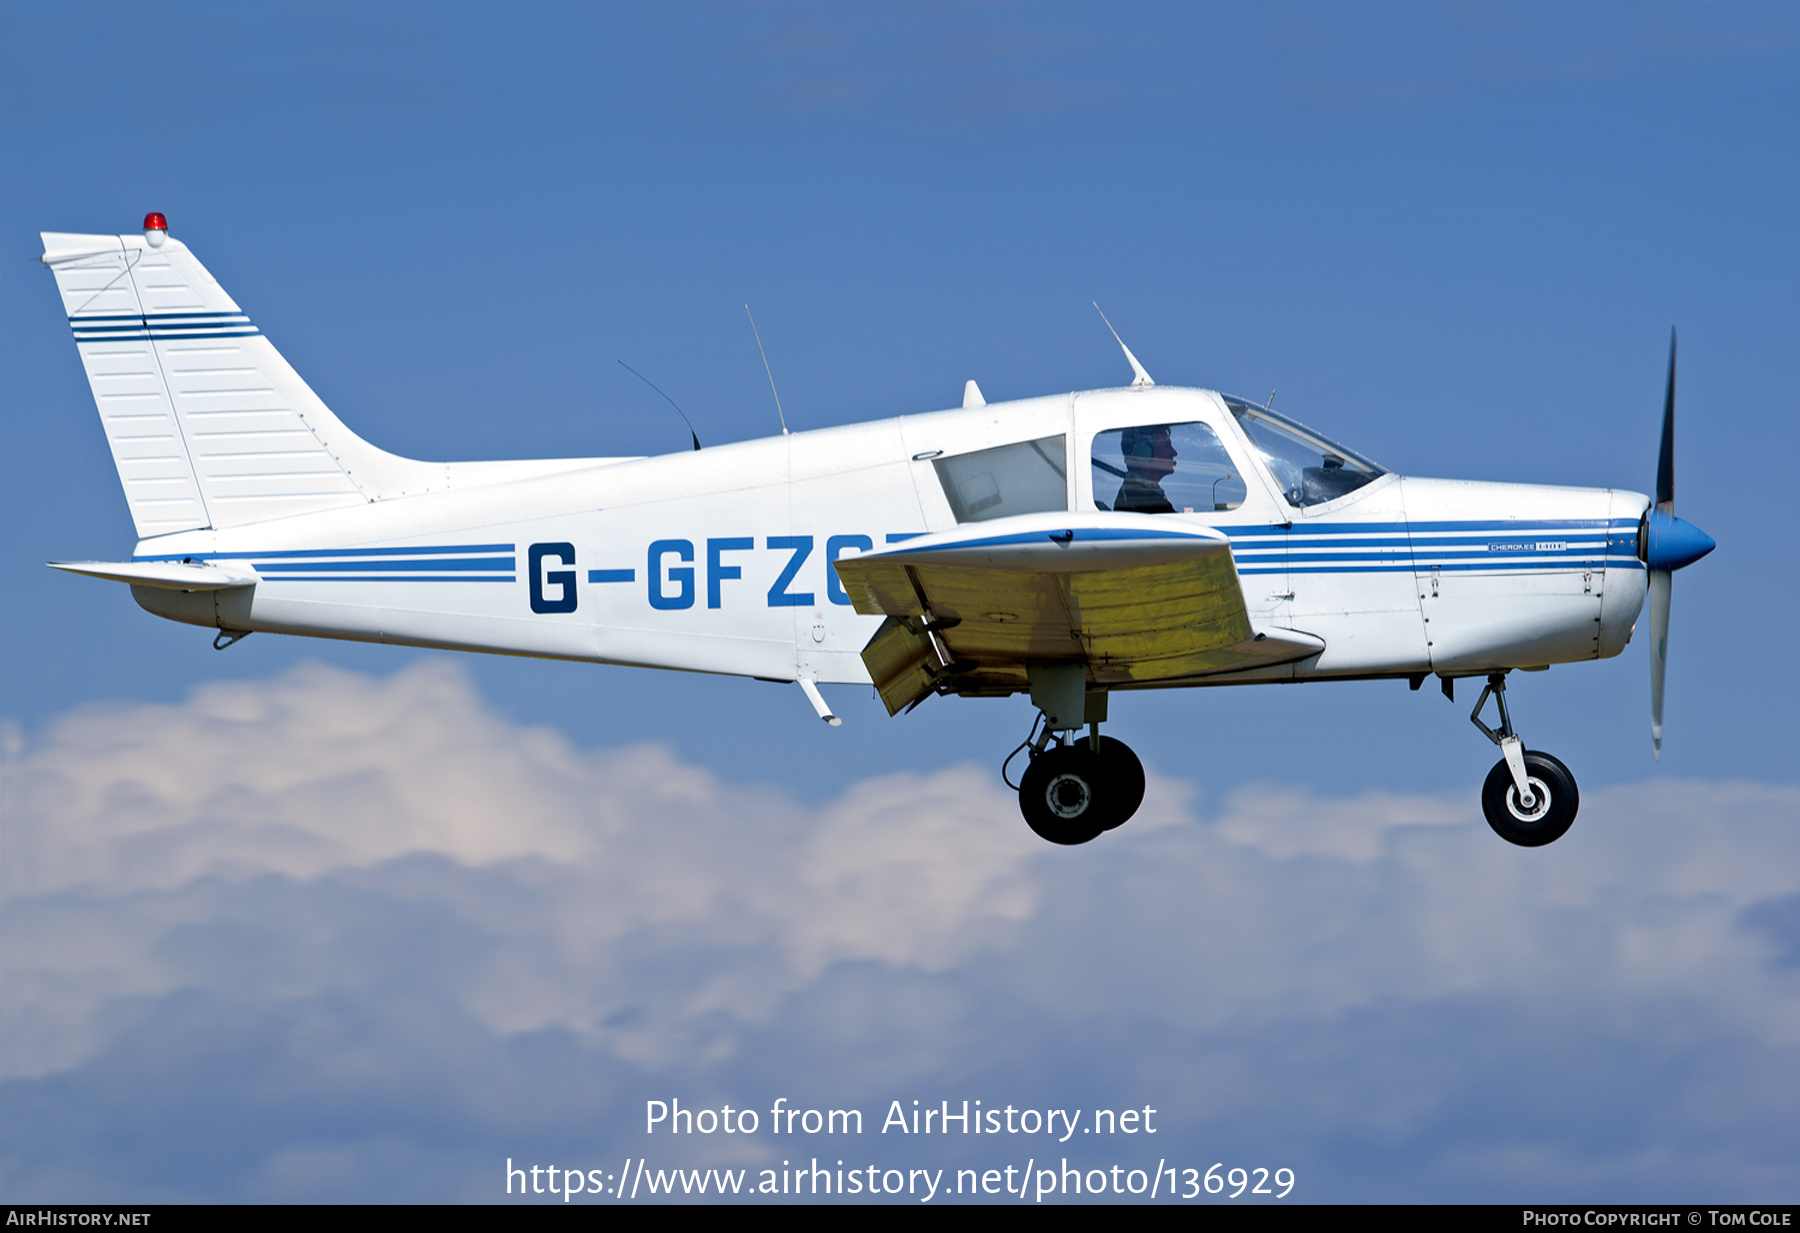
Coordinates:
765 360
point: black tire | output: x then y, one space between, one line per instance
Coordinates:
1125 776
1064 794
1553 816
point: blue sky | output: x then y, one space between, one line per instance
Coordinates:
1453 236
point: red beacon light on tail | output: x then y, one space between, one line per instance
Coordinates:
156 229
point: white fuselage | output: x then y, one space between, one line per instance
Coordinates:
719 560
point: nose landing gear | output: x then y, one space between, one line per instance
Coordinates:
1529 798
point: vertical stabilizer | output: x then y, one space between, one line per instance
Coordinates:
208 425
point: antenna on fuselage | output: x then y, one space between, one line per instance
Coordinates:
765 360
1142 378
678 411
1271 401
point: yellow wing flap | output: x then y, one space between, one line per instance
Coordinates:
1137 598
900 660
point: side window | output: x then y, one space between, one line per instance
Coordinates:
1164 469
1025 478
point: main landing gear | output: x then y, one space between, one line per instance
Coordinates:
1078 783
1529 798
1077 786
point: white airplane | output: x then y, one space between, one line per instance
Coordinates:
1068 546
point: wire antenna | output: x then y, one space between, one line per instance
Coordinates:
678 411
765 360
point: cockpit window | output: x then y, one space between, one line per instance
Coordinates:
1164 469
1310 469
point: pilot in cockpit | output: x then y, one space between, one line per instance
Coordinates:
1149 458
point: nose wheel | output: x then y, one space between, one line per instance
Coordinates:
1541 819
1072 792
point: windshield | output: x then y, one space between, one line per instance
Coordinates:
1309 468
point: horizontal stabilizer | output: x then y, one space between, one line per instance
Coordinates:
164 575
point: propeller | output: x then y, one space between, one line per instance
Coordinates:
1669 544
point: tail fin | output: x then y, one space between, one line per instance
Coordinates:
208 425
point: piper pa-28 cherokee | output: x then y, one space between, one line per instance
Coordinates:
1068 547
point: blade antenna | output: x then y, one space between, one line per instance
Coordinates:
678 411
765 360
1142 378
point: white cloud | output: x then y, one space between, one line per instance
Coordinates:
124 820
375 894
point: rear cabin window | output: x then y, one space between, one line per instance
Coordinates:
1024 478
1164 469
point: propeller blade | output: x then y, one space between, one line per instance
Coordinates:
1660 588
1665 459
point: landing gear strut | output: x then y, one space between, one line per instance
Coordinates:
1075 789
1529 798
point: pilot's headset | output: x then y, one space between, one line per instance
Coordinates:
1140 442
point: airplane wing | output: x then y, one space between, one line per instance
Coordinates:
1138 598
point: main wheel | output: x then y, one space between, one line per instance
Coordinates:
1553 808
1125 776
1065 795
